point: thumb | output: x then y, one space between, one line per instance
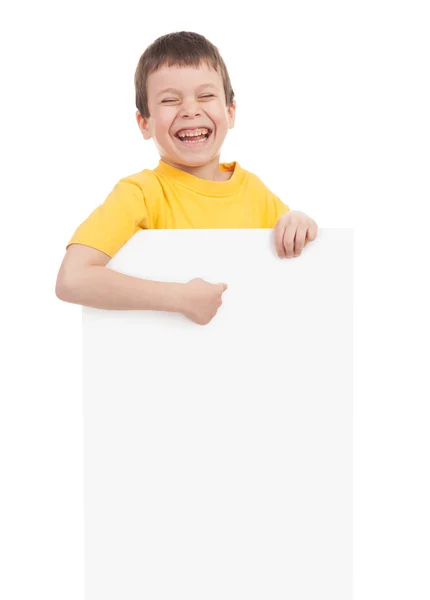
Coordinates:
224 286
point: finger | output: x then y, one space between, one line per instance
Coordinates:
312 231
288 240
279 234
299 240
224 286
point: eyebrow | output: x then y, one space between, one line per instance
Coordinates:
203 85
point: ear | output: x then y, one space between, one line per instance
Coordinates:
231 114
143 126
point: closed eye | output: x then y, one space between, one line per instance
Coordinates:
172 100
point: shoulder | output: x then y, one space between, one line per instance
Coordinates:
244 177
255 182
267 194
144 184
143 179
248 175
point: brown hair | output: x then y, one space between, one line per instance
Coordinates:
183 49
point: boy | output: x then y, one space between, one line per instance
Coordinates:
185 102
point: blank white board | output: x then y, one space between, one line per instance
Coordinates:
218 458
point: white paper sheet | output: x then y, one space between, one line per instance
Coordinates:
218 458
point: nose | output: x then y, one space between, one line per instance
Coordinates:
190 109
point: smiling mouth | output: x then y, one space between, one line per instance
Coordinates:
194 139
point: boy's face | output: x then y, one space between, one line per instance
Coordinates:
196 100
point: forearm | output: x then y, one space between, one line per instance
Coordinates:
101 287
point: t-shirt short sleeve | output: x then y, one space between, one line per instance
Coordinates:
274 208
115 221
279 208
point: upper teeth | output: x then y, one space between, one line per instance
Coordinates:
192 132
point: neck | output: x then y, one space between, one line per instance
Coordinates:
210 171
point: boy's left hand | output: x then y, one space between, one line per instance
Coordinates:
292 232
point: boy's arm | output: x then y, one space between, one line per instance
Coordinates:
84 279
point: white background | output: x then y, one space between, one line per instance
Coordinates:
332 114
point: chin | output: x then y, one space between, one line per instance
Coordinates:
195 161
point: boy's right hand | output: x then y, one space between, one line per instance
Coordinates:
202 300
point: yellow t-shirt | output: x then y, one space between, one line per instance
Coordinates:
169 198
